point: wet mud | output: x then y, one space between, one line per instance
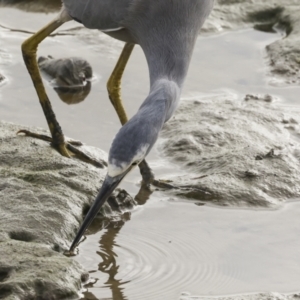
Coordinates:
43 199
234 152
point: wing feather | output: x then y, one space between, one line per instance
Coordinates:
105 15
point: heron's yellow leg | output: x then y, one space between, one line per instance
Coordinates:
29 50
114 83
57 139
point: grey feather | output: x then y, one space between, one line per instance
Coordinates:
98 14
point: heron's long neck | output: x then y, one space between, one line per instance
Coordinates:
168 63
167 70
168 55
171 64
162 101
168 52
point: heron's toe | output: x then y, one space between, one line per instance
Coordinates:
164 184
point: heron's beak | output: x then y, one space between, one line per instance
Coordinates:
109 184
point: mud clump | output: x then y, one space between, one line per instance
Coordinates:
70 77
265 98
71 71
42 201
234 152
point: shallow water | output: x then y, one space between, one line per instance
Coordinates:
170 245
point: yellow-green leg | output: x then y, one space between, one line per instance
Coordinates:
114 83
114 93
29 50
57 139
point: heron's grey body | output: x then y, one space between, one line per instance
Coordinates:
166 30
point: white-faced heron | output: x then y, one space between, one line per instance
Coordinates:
166 30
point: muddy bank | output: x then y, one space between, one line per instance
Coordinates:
268 296
43 197
283 16
44 6
232 152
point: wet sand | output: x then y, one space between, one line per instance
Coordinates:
170 245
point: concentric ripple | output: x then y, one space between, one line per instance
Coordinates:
160 262
168 248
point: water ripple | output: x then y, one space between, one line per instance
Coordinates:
155 262
169 248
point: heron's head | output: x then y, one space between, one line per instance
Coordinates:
130 146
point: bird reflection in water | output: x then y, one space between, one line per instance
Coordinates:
70 77
109 264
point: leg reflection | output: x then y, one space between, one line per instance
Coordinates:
109 264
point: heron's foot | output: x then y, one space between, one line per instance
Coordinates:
149 179
46 137
61 146
163 184
65 148
160 183
69 253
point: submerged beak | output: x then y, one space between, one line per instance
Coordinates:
109 184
